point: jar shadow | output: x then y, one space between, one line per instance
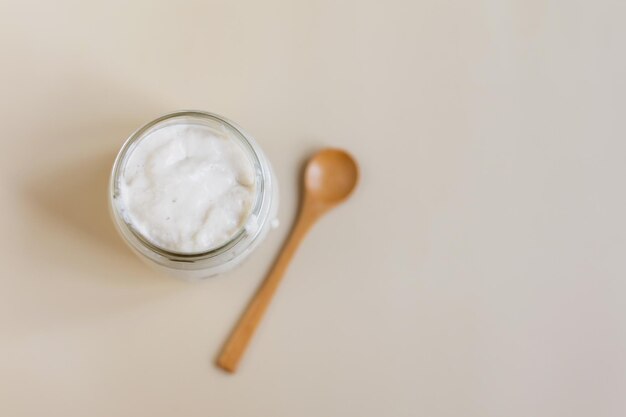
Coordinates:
75 197
94 273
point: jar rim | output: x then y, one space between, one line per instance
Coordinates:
260 198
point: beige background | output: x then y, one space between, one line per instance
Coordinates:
478 271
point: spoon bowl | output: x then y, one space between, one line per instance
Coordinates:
330 176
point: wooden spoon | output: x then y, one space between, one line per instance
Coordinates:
329 178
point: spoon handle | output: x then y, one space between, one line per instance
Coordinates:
238 341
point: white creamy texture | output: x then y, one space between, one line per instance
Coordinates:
187 188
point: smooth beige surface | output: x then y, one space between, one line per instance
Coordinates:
479 270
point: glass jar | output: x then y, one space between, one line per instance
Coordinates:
230 254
